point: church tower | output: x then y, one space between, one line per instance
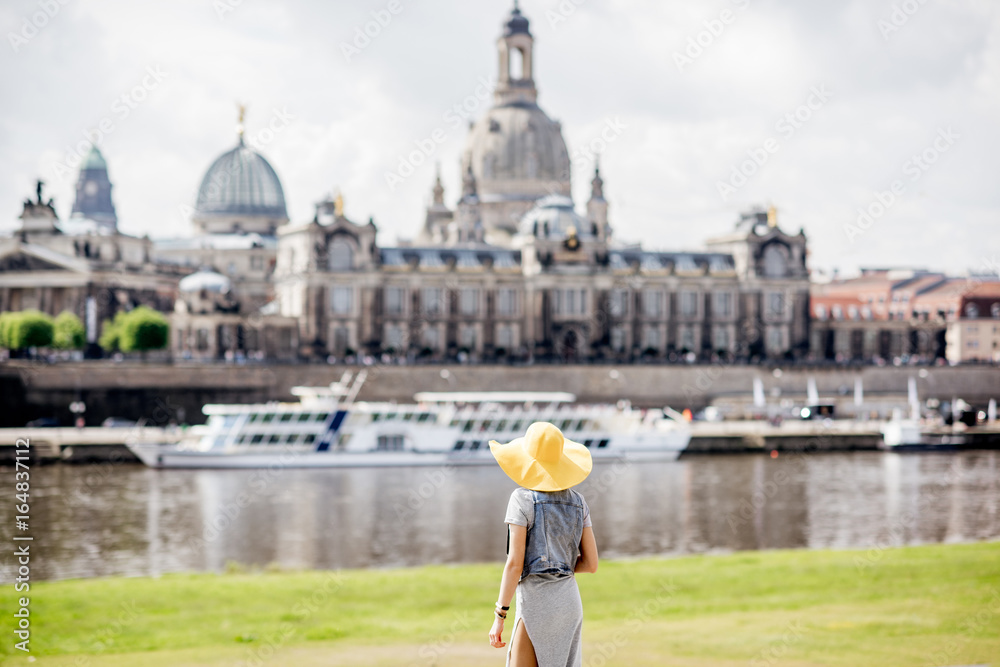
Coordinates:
93 192
597 207
515 152
515 82
438 217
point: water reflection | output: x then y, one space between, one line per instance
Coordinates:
105 520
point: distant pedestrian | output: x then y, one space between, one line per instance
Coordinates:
549 539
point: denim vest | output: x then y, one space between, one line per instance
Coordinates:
553 540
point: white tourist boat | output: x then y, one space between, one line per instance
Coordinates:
328 428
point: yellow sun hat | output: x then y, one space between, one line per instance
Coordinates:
543 460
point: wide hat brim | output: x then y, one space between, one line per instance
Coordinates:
569 470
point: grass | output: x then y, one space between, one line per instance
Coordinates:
929 605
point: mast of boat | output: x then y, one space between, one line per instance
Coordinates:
758 394
352 393
991 410
859 394
911 395
811 393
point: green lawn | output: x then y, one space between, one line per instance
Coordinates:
924 606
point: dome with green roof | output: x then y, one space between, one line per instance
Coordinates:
94 159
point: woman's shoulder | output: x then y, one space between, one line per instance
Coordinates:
521 495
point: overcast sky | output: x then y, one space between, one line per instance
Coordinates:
887 80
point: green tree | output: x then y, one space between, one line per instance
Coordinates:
111 331
69 333
6 323
144 329
28 328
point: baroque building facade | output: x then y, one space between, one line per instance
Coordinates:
83 265
514 271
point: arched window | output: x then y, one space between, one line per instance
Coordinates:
820 311
340 256
516 64
775 261
971 310
995 311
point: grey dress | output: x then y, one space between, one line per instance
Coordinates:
548 604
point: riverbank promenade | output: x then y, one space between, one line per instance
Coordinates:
928 605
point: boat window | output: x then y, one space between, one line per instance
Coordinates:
588 443
468 427
376 416
322 417
422 417
293 438
455 422
487 425
303 417
407 416
582 425
475 444
390 416
286 417
256 438
241 440
502 426
389 443
274 438
459 445
566 423
603 443
253 417
268 418
309 437
343 440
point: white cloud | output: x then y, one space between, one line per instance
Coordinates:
686 129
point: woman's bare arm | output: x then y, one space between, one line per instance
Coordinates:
514 565
511 575
588 552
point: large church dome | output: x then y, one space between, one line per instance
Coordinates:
240 192
517 143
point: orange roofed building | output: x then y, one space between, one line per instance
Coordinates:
899 315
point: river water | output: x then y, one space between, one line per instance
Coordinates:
108 519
